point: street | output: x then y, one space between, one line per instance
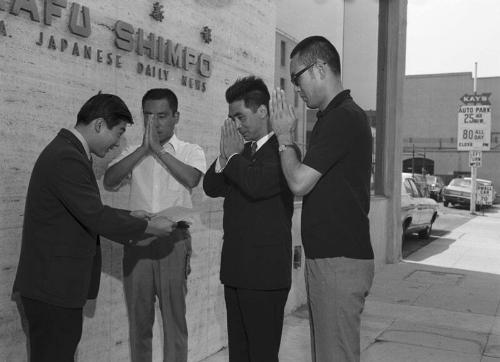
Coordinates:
449 218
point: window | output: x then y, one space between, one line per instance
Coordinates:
283 84
283 53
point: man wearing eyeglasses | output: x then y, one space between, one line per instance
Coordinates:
334 179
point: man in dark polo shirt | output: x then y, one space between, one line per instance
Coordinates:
334 179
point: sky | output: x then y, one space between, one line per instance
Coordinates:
448 36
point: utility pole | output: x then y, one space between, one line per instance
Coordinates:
473 168
413 162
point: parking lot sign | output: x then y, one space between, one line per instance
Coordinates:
475 158
474 123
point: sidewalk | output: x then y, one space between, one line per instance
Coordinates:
441 304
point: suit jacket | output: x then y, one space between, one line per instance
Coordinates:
60 260
258 209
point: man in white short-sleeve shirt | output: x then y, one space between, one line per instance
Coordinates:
162 171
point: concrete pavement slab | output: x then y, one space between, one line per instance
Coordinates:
397 271
296 342
495 329
437 255
489 359
371 327
398 352
459 299
430 316
481 263
435 277
493 347
419 334
397 291
482 281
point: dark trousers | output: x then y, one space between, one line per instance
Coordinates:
254 323
54 332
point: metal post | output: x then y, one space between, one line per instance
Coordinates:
473 169
473 189
413 162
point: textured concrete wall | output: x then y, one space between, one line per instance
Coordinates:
42 89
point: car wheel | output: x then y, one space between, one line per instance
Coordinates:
426 233
446 203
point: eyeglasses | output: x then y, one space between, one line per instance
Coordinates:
296 76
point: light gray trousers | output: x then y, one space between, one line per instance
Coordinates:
336 292
157 270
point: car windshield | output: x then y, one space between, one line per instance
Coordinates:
460 182
431 179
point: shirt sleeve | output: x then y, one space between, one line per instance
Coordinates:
196 158
218 167
331 142
125 152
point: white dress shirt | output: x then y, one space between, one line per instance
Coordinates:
152 187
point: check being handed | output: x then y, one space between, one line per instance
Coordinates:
179 213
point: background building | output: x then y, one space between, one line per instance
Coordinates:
430 123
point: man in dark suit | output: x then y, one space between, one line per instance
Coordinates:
258 207
60 263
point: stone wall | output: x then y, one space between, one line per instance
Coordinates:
42 88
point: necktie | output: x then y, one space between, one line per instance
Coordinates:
253 148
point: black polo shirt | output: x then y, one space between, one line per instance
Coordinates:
335 213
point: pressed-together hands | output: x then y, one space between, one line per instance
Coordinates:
150 145
282 116
231 141
150 139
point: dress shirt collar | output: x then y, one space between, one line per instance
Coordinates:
262 140
174 142
82 140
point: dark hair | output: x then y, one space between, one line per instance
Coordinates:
157 94
251 90
317 47
107 106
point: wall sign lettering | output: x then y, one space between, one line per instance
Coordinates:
164 54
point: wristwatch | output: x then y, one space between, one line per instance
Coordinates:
283 147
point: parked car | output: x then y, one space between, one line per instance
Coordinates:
435 186
421 183
458 192
418 212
